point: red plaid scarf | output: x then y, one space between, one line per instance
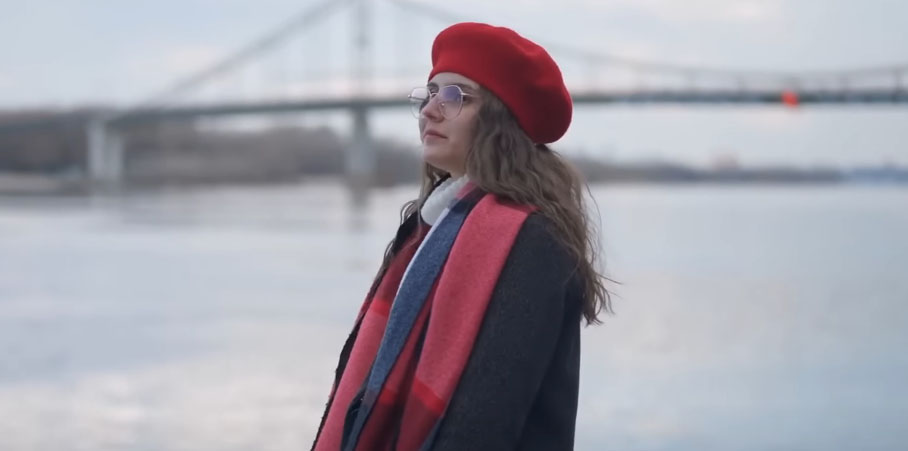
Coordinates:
412 399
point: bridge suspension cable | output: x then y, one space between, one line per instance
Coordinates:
259 46
740 76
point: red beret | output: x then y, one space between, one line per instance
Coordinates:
515 69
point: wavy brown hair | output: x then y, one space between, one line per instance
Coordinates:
504 161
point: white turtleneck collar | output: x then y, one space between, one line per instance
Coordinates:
440 197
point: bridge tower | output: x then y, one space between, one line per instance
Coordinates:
105 154
360 160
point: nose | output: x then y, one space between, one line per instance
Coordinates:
432 110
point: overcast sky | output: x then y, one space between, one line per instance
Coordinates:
66 53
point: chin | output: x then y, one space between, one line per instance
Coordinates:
433 157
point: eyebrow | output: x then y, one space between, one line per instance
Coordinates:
465 87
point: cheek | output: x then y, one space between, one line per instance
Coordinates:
465 135
463 144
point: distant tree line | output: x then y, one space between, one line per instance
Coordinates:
54 146
180 152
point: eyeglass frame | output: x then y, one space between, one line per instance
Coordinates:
424 102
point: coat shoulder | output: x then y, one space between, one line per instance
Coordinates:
539 246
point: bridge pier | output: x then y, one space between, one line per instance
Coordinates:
360 160
105 154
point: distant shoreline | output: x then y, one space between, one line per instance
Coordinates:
13 184
181 154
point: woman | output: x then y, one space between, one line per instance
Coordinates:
469 338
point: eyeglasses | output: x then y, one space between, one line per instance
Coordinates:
450 100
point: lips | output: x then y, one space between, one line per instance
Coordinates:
428 132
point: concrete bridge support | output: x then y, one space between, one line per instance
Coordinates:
105 155
360 160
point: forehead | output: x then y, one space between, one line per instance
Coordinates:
451 78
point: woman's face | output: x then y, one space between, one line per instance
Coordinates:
446 140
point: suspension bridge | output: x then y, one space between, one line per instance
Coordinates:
368 84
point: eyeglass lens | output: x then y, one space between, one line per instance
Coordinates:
450 100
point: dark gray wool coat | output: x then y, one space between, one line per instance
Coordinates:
519 388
